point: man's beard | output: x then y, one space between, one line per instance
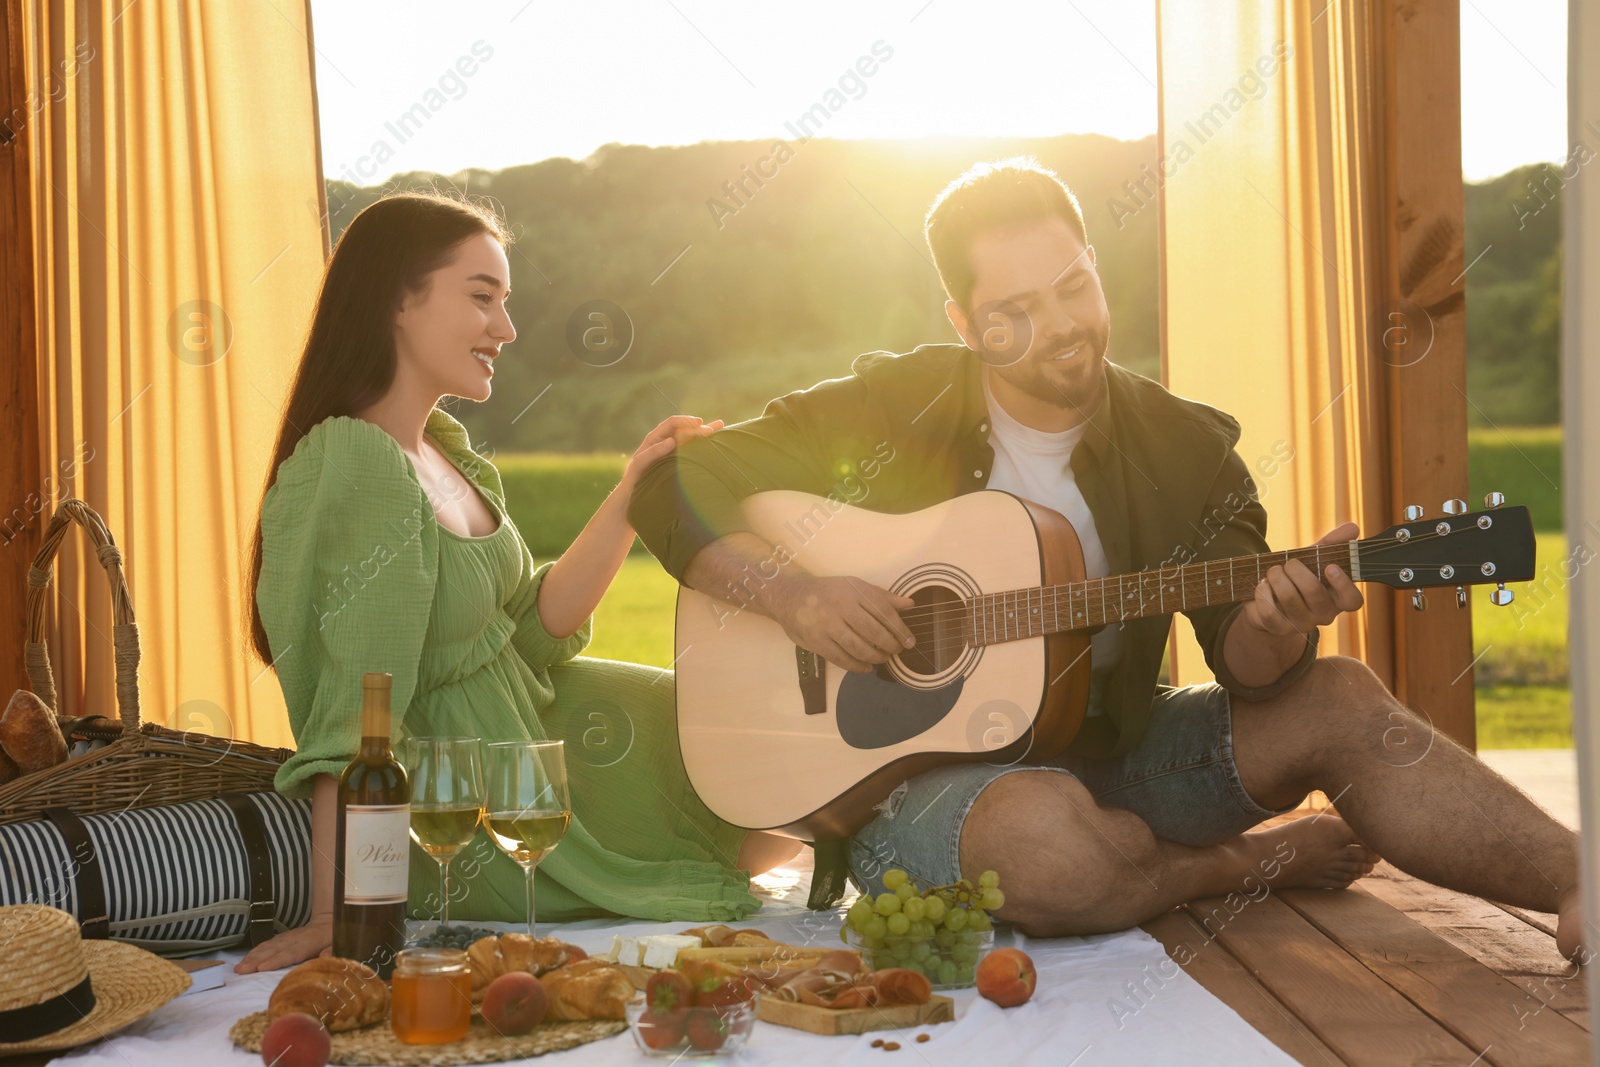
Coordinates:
1078 390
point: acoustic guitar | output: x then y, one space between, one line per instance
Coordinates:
774 738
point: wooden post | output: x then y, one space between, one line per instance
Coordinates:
21 508
1422 236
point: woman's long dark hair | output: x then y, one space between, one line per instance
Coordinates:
348 362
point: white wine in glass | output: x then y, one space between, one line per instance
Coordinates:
447 800
527 808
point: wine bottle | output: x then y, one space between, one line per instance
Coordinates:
373 845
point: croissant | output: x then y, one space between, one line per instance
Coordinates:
29 734
344 994
588 989
493 956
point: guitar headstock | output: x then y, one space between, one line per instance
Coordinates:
1460 548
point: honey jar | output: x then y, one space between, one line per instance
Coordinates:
430 997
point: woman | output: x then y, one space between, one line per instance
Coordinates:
384 544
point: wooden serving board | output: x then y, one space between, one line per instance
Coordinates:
855 1020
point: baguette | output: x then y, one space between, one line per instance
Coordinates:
752 955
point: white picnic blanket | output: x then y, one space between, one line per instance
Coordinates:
1102 1000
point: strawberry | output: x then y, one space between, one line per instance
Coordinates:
661 1029
668 990
707 1030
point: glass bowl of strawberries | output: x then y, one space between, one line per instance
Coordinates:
695 1011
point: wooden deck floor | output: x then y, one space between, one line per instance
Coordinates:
1391 971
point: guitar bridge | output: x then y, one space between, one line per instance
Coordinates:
813 689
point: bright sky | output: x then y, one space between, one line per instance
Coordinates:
552 78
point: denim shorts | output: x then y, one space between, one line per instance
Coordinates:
1180 779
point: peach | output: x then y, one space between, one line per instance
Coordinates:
1006 976
296 1040
515 1003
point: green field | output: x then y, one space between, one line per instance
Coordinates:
1523 700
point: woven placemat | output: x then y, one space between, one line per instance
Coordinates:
378 1045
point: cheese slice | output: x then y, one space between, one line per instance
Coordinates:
661 950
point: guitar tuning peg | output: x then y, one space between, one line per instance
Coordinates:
1454 506
1412 513
1501 596
1418 601
1461 596
1494 500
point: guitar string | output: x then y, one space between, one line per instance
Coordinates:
970 612
967 606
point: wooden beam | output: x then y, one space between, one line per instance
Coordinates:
1358 1015
1226 979
1482 1009
22 511
1422 238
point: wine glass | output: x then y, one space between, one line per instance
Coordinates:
528 808
446 800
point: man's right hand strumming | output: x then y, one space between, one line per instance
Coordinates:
848 621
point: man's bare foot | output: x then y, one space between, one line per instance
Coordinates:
1316 851
1572 940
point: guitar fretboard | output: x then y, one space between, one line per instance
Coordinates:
1020 613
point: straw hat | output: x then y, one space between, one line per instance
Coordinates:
61 991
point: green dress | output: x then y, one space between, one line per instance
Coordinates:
357 576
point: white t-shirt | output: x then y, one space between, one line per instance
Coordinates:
1037 466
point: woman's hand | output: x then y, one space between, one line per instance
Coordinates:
661 440
315 938
574 585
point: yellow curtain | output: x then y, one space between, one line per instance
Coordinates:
179 237
1269 275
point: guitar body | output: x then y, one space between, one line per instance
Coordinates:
764 753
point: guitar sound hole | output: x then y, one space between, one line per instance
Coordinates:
936 623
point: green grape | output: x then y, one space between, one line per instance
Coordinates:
899 951
844 934
906 892
876 927
934 908
993 900
964 952
887 904
988 880
956 920
894 878
922 928
980 922
964 973
964 897
915 908
921 951
859 912
947 973
898 923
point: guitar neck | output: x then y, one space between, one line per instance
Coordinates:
1020 613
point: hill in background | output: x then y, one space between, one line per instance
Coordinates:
747 271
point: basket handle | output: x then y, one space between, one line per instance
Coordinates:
124 630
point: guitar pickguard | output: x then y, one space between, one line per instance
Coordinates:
874 712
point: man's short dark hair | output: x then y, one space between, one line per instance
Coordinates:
992 196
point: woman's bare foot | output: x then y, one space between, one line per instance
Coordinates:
1315 851
762 851
1572 939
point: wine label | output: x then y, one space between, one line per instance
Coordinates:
377 855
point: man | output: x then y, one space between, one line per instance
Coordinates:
1151 804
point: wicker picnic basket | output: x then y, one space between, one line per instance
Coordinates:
145 765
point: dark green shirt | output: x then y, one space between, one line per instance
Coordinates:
905 432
